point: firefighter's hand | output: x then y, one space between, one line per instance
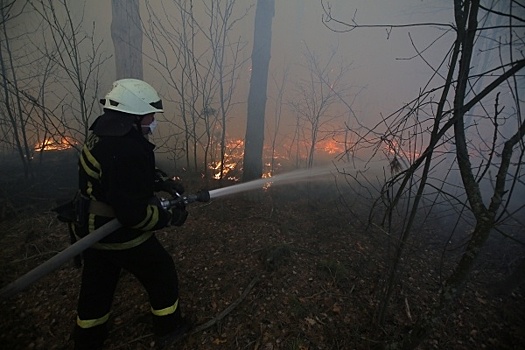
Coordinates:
169 185
178 215
173 186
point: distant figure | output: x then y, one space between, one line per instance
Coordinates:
117 179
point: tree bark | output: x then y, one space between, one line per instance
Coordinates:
126 32
262 40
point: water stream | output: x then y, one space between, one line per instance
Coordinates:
289 177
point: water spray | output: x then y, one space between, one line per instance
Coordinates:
179 200
281 179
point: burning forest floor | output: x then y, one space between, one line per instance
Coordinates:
287 269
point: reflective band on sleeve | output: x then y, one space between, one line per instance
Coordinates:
89 190
152 217
92 323
91 222
166 311
90 165
125 245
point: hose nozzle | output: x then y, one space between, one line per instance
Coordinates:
200 196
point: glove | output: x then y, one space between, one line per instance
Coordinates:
178 215
171 186
166 184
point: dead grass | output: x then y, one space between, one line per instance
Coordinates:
318 278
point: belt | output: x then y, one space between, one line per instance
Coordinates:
103 209
124 245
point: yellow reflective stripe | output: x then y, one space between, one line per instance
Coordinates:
92 168
148 223
125 245
91 222
152 217
92 323
89 190
166 311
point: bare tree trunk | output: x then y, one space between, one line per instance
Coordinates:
277 116
473 164
467 24
126 32
319 90
202 82
254 141
12 100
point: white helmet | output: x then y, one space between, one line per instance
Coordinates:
133 96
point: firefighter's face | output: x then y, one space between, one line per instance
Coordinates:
147 123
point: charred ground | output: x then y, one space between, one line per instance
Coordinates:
287 268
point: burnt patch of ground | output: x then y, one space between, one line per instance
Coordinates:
313 275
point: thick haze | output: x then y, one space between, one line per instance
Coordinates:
384 70
383 79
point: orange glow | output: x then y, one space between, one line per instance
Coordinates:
393 148
50 144
330 147
232 160
234 157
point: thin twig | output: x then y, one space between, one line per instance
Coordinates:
409 315
142 337
229 309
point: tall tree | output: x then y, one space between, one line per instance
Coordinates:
49 76
126 32
72 58
196 56
490 99
13 113
321 87
261 52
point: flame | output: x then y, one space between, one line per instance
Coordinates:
232 160
330 146
51 144
234 156
229 167
392 147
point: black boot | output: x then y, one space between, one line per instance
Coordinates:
181 330
90 338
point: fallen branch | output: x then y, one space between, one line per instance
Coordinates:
229 309
409 315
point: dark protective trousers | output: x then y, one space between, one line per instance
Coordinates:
151 264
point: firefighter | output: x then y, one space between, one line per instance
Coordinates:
118 178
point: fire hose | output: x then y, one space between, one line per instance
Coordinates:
86 242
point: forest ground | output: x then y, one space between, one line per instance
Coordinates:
292 267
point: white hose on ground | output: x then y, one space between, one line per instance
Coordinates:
59 259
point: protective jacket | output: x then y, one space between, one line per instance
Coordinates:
117 179
117 176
